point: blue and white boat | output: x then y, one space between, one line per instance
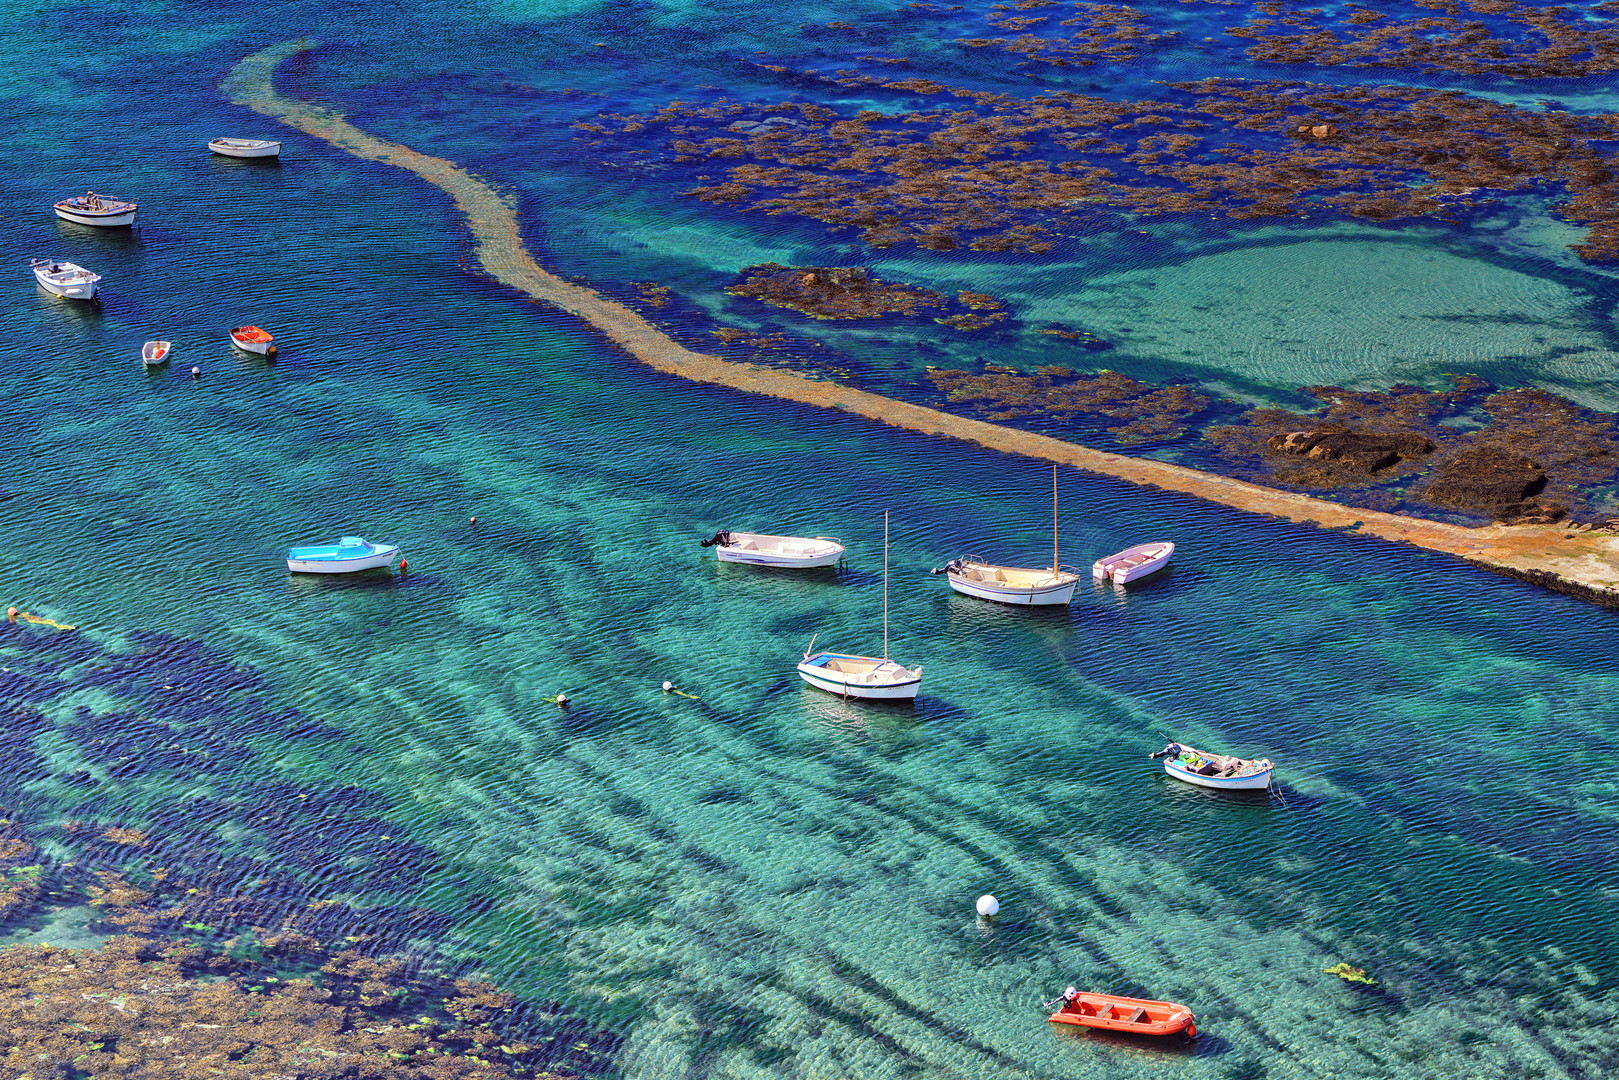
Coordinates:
348 555
1219 771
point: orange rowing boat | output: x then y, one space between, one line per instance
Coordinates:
1125 1014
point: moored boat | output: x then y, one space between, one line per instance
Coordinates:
1220 771
872 677
65 279
1010 584
1029 587
860 676
154 353
763 549
93 209
1114 1013
252 339
245 148
1133 563
346 556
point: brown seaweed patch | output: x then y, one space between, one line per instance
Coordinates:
1150 413
834 292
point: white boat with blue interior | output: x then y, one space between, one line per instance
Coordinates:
350 554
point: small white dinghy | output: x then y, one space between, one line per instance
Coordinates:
1133 563
245 148
154 353
872 677
67 279
1027 587
762 549
1220 771
348 555
93 209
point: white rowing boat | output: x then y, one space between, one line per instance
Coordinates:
254 340
762 549
154 353
1219 771
1133 563
871 677
245 148
93 209
67 279
1025 586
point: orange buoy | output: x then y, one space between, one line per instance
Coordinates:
404 567
474 521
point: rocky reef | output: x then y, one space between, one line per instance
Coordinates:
228 962
850 292
994 172
1149 414
1521 455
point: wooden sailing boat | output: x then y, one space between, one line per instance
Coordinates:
863 676
1015 584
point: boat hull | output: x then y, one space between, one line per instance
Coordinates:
380 558
228 148
84 291
787 562
1059 594
154 353
1110 1012
258 348
105 221
840 683
1254 782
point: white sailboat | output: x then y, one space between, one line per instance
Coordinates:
1015 584
863 676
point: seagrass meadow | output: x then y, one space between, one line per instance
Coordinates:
274 825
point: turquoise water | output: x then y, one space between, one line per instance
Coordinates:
766 880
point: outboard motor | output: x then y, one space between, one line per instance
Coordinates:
720 539
951 567
1172 750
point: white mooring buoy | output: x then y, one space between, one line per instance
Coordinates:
988 905
668 686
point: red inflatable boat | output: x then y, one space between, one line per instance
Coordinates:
1126 1014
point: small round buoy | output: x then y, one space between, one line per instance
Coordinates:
473 521
195 372
11 614
404 567
562 701
988 905
269 354
667 686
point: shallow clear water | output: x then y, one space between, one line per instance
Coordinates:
765 880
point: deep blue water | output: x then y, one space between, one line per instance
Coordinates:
765 880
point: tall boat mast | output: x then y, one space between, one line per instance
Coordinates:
1054 521
885 584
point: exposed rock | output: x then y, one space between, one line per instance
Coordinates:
1361 452
1532 513
1482 477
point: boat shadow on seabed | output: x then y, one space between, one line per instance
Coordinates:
1161 1046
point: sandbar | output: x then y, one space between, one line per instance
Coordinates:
1585 564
